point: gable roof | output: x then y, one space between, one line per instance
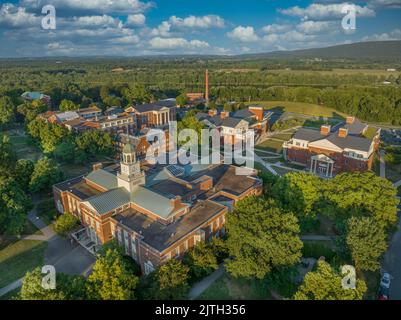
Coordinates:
231 122
109 201
103 178
243 114
308 135
351 142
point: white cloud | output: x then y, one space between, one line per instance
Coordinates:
204 22
317 11
17 17
385 3
316 27
101 6
277 28
243 34
163 30
96 21
177 43
392 35
136 20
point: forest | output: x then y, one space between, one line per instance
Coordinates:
360 88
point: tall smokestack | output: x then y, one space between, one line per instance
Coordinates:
207 86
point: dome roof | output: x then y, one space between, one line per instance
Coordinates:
129 148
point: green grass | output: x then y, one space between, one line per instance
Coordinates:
302 108
281 171
271 145
10 295
393 172
228 288
370 132
20 257
24 148
28 230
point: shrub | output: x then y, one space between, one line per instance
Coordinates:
65 223
201 261
317 250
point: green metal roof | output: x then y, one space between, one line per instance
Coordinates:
103 178
109 201
152 201
129 148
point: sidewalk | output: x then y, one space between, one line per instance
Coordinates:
199 287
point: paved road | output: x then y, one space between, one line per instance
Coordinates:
392 262
205 283
64 256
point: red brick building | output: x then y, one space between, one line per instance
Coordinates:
155 216
328 153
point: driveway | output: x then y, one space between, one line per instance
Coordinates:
392 263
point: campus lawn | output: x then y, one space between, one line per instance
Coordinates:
11 295
271 145
302 108
23 147
228 288
28 230
393 172
281 171
20 257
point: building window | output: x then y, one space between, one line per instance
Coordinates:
149 268
126 243
133 248
119 238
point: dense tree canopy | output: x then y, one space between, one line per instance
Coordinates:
366 241
45 175
111 278
260 237
14 206
326 284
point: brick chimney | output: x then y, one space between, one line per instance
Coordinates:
212 112
325 130
350 120
343 133
258 111
224 114
176 202
97 166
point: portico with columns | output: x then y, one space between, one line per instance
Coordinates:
322 165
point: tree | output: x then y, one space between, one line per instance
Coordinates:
23 172
67 287
365 194
8 156
261 236
326 284
182 100
65 223
367 242
45 175
68 105
111 278
94 144
189 121
169 281
14 206
201 260
7 111
30 110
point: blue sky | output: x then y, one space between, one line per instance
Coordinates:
225 27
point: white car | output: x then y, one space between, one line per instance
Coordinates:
385 281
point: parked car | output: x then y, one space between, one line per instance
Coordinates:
384 294
385 281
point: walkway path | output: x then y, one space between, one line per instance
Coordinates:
199 287
397 184
382 164
65 257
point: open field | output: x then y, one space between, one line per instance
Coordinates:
23 148
20 257
271 145
302 108
228 288
373 72
28 230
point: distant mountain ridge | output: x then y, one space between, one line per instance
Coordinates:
370 49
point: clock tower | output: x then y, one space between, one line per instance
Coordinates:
130 175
